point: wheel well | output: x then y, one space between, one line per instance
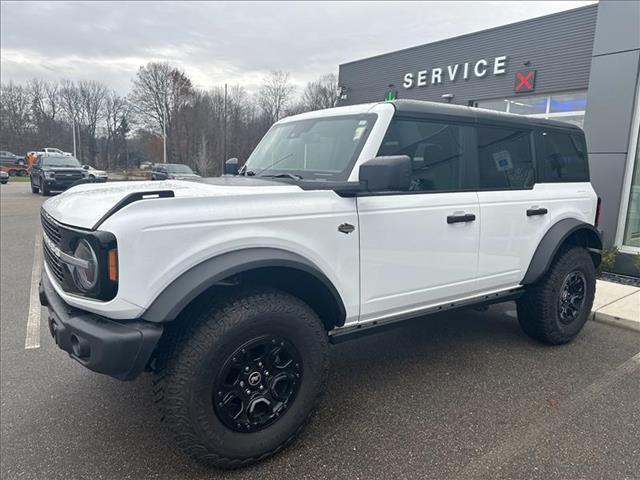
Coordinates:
588 239
301 284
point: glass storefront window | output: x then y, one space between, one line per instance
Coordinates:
568 102
632 222
498 105
564 107
528 105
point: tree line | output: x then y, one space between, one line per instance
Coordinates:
111 131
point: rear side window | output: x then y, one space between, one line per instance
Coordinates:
440 152
563 157
504 158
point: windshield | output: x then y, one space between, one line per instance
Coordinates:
61 161
178 169
315 149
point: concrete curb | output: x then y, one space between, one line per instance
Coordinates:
617 305
615 321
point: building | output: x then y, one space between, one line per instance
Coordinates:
580 66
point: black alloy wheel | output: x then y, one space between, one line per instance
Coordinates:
572 296
257 383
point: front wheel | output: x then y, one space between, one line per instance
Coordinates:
43 188
555 309
240 385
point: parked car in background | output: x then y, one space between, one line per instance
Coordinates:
55 172
9 158
4 177
55 151
95 174
146 166
172 171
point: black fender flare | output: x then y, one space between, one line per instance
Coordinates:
553 240
181 291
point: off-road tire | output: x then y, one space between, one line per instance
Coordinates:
34 189
184 382
538 311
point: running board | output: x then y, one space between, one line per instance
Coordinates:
342 334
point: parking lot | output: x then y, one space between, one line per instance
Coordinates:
462 395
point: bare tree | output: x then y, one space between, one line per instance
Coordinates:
159 92
275 95
15 120
93 96
321 93
116 110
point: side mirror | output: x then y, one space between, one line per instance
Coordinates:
86 167
386 174
231 166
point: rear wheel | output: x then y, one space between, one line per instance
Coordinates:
240 384
555 309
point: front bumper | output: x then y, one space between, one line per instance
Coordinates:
119 349
59 184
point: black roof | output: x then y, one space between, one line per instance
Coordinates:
473 114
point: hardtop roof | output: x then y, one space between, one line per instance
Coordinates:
474 114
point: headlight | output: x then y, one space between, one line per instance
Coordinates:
85 277
50 175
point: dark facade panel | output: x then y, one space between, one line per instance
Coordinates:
558 47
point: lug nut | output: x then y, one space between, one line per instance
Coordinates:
246 369
247 391
241 384
259 364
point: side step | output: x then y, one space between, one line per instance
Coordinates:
343 334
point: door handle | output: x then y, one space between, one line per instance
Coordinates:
463 218
536 211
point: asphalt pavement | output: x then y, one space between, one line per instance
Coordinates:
462 395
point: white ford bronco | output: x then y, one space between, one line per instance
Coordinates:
342 222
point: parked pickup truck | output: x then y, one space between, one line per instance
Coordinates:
342 222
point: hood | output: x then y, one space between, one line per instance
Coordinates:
63 169
179 176
84 205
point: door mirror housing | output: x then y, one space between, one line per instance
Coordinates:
231 166
384 174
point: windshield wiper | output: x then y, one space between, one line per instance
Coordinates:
292 176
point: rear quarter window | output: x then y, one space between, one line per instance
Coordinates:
562 157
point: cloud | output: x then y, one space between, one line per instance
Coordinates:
235 42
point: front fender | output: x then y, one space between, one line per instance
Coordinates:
551 242
175 297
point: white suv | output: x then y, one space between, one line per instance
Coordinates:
341 222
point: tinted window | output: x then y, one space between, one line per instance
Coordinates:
438 152
177 168
504 156
60 161
563 157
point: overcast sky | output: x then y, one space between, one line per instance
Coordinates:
229 42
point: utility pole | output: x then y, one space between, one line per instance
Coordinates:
224 129
73 122
79 143
164 132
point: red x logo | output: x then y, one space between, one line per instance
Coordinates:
525 81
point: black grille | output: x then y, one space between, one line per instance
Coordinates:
52 232
51 229
68 176
54 264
